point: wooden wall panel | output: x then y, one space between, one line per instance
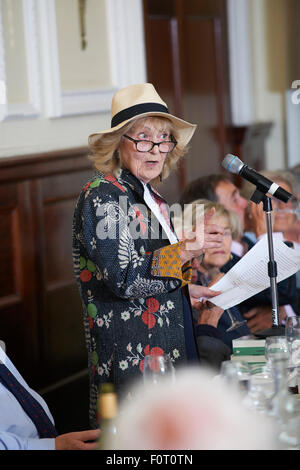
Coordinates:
203 95
40 307
64 348
57 222
7 284
187 61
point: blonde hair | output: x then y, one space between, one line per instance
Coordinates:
190 214
105 151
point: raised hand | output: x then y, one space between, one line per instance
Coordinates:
205 235
197 292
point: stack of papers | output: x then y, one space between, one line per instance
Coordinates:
250 275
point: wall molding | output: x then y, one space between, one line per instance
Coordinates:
240 60
32 108
31 166
126 42
126 51
292 102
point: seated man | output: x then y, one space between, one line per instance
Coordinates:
26 422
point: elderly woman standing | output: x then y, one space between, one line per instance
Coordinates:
132 271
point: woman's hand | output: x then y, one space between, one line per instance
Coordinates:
210 314
197 292
203 237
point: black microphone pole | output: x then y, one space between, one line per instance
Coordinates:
234 165
276 329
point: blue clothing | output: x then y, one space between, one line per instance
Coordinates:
17 431
29 404
190 343
225 322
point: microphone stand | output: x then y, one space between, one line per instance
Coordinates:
276 329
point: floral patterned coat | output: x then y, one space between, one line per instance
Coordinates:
130 280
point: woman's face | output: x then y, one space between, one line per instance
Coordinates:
145 165
217 257
282 220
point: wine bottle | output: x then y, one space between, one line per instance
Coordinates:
107 411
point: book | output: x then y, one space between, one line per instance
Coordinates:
248 347
255 359
251 350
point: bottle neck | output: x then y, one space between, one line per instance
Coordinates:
108 406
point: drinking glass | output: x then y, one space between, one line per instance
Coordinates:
261 389
276 348
158 368
292 334
236 373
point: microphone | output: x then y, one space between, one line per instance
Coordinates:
234 165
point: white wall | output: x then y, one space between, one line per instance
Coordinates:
270 73
57 93
260 64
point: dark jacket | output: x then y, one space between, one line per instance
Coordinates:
129 279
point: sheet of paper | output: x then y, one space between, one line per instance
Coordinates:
250 275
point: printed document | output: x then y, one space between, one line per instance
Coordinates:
250 275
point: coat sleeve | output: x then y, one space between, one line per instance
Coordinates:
108 231
212 352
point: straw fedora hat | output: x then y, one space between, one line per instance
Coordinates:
142 100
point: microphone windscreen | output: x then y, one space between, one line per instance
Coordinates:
232 164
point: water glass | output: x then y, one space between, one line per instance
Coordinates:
236 373
292 334
158 368
261 387
276 348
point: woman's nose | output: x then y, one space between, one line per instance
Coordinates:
155 149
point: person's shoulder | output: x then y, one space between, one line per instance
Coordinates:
101 184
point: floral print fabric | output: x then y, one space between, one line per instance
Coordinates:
132 304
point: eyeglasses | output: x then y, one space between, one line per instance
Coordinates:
165 146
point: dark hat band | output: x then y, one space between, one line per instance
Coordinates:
133 111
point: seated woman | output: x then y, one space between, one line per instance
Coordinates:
207 270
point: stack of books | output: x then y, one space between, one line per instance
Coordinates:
251 350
